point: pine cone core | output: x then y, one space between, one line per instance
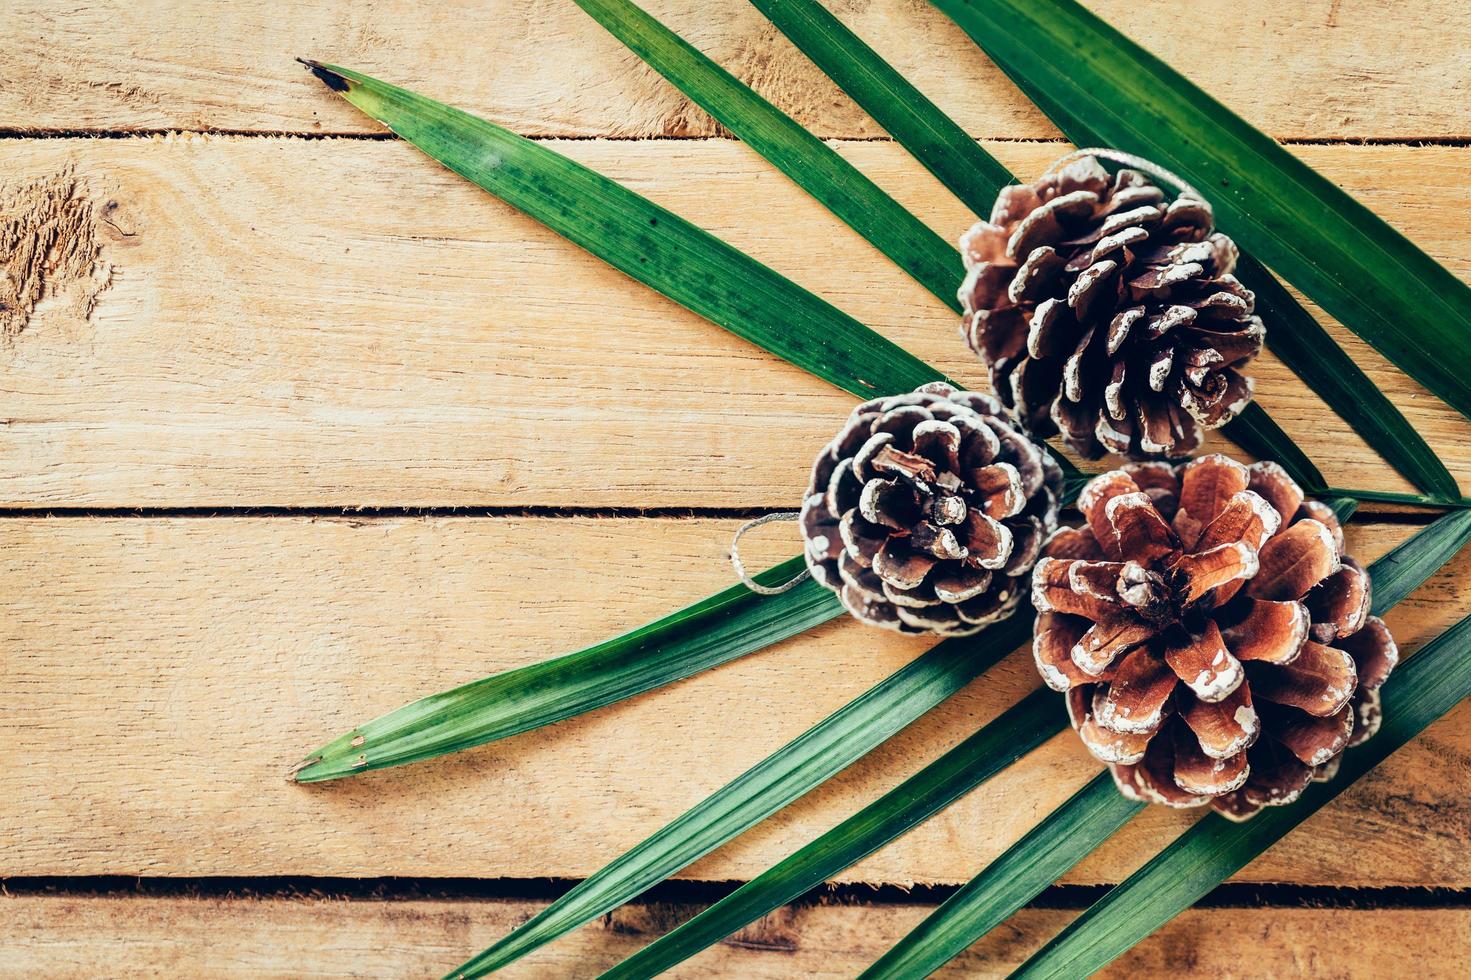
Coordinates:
1108 314
927 510
1214 642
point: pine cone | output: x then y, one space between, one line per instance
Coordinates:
1215 645
927 509
1109 315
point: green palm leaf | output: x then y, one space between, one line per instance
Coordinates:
1066 836
975 177
1414 560
1301 343
1090 79
826 176
842 189
1017 731
1254 431
933 138
1413 499
1344 508
713 631
1072 831
636 236
812 758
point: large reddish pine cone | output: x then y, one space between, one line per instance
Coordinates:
1109 315
926 512
1214 642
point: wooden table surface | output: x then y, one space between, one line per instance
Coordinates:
302 427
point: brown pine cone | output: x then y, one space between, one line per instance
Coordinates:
1214 643
927 510
1109 315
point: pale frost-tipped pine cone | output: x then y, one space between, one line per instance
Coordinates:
1109 314
926 512
1214 642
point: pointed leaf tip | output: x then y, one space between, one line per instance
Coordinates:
293 774
330 78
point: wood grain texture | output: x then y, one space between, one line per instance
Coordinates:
59 937
1311 68
163 674
343 323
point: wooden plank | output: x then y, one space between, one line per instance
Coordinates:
62 936
162 675
340 323
1362 69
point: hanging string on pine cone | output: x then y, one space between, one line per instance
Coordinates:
1107 313
927 511
1214 642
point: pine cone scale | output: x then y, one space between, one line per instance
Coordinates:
1226 727
1203 664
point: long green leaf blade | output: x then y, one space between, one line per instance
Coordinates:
1414 560
1359 269
812 164
720 628
933 138
649 243
1076 828
1433 681
1066 836
1390 497
1254 431
1343 507
1302 344
813 757
1013 734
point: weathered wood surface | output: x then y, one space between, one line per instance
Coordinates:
162 675
341 323
59 937
1297 68
272 321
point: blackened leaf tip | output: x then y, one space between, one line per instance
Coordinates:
330 78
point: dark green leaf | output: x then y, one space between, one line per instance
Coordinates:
1066 836
933 138
1403 570
815 167
649 243
1102 88
1012 735
793 770
1389 497
1343 507
1254 431
1302 344
720 628
1433 681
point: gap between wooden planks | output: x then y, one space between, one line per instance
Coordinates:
55 936
343 323
163 674
1355 70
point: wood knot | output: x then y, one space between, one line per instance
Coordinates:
50 251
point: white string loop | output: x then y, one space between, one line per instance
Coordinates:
740 569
